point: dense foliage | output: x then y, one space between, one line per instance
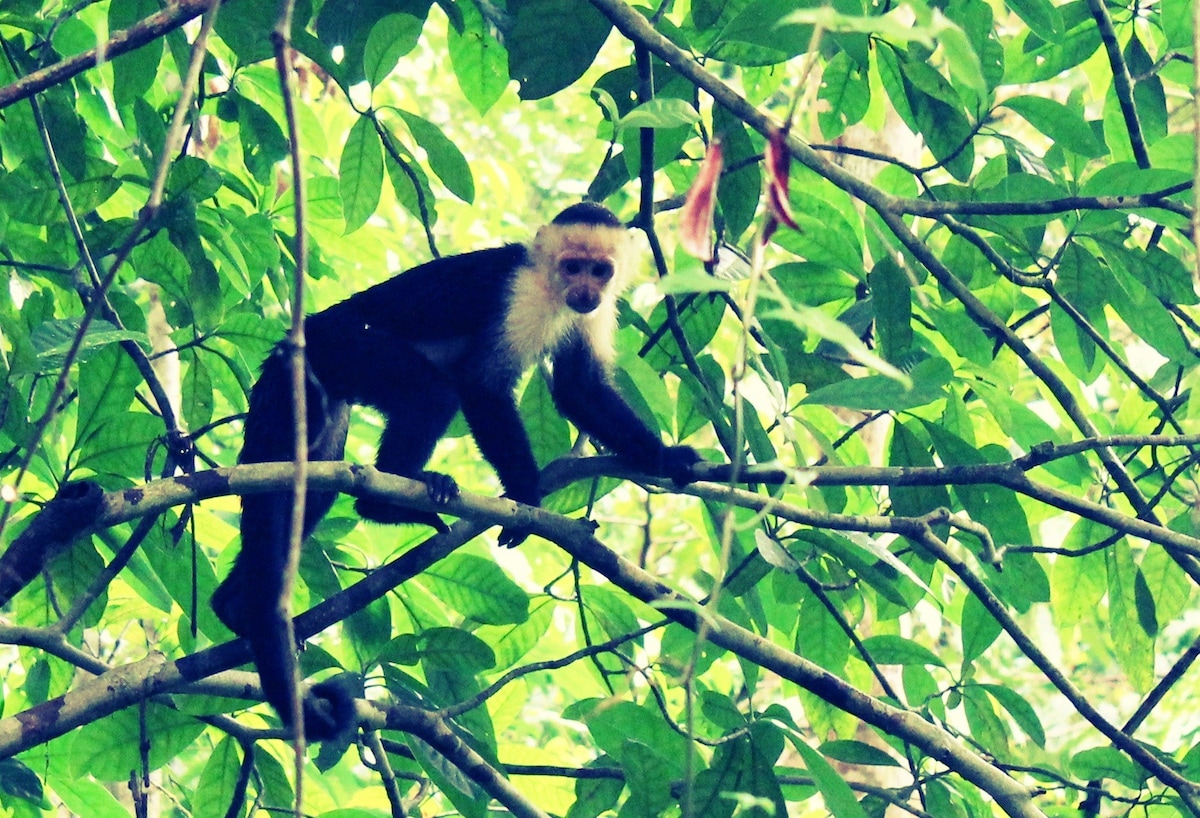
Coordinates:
948 569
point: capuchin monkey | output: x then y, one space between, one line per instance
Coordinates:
456 333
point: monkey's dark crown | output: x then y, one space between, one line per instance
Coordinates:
589 213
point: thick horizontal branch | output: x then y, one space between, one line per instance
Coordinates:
132 683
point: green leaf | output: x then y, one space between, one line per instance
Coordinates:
106 384
891 295
894 83
135 71
551 43
888 649
1144 603
478 589
845 89
1075 345
161 262
1149 96
997 508
839 798
661 112
615 724
411 186
1077 582
825 236
511 643
467 798
262 140
1134 646
83 796
985 726
929 380
69 136
197 393
610 609
948 134
360 174
1145 314
451 648
480 61
121 444
979 629
369 629
245 26
18 780
390 39
194 177
907 449
218 780
1176 21
1063 124
1107 762
821 638
53 339
647 777
1127 179
743 772
594 796
1021 711
1167 584
445 159
1041 16
740 188
962 61
549 434
108 748
857 752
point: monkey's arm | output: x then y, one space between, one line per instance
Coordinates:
495 422
584 393
496 425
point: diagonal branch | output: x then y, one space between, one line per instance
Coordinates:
124 41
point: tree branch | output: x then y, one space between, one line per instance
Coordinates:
124 41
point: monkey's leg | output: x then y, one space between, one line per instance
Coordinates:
418 402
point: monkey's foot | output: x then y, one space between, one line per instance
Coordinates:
441 487
378 511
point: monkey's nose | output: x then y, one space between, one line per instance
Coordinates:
583 300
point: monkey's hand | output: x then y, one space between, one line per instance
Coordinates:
676 463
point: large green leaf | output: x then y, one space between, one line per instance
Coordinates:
478 589
107 749
552 42
445 159
360 173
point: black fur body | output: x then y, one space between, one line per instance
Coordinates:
454 334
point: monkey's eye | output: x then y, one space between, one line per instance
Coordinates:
602 270
574 266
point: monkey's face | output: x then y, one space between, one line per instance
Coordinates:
584 279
